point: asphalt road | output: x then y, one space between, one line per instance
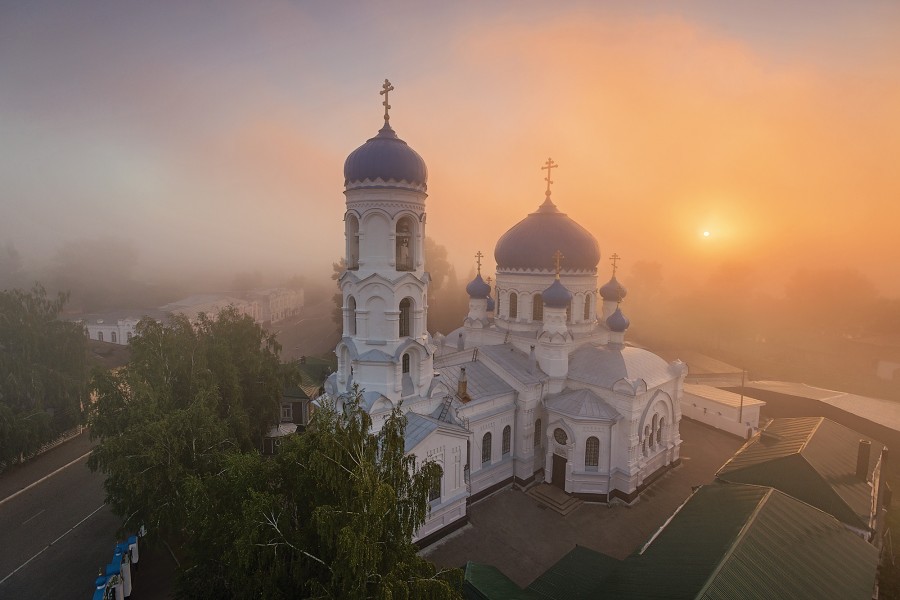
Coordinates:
57 533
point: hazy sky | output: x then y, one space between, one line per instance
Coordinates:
213 134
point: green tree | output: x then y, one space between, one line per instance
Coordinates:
43 377
192 393
337 313
330 516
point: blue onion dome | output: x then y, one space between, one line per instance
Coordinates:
617 321
388 158
531 243
613 290
478 288
490 304
556 296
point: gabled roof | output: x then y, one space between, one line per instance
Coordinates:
294 393
419 427
515 362
743 541
576 576
481 381
579 575
582 404
814 460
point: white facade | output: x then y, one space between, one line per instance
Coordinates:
543 388
722 409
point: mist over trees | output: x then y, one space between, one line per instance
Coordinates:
43 372
805 333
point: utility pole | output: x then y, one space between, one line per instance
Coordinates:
741 410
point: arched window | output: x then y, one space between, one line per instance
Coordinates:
587 307
538 433
569 312
507 435
537 308
513 306
405 363
99 336
486 448
405 317
647 437
352 242
435 492
591 453
659 430
653 430
128 336
351 304
404 244
113 337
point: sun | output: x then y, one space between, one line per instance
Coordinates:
706 234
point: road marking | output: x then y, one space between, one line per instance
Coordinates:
35 516
20 567
45 477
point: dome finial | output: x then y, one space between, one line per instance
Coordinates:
387 87
548 166
557 257
614 259
478 257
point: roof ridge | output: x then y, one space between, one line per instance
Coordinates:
737 541
810 436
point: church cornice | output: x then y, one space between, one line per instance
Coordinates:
350 276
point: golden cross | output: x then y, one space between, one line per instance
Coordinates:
614 259
549 165
478 256
387 87
557 259
489 280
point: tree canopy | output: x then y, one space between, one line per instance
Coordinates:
331 515
191 393
44 376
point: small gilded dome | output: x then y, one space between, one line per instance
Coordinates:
532 242
613 290
478 288
556 296
618 322
388 158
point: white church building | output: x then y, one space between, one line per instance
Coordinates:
537 385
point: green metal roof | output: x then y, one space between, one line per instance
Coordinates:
812 459
579 575
576 576
742 541
484 582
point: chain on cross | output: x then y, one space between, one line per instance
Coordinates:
478 257
387 87
549 166
557 258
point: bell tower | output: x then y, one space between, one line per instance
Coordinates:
385 348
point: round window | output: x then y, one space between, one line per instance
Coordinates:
560 436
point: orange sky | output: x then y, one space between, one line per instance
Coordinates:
217 142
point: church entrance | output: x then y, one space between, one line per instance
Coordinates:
559 471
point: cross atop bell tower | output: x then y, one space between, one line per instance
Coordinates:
385 89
